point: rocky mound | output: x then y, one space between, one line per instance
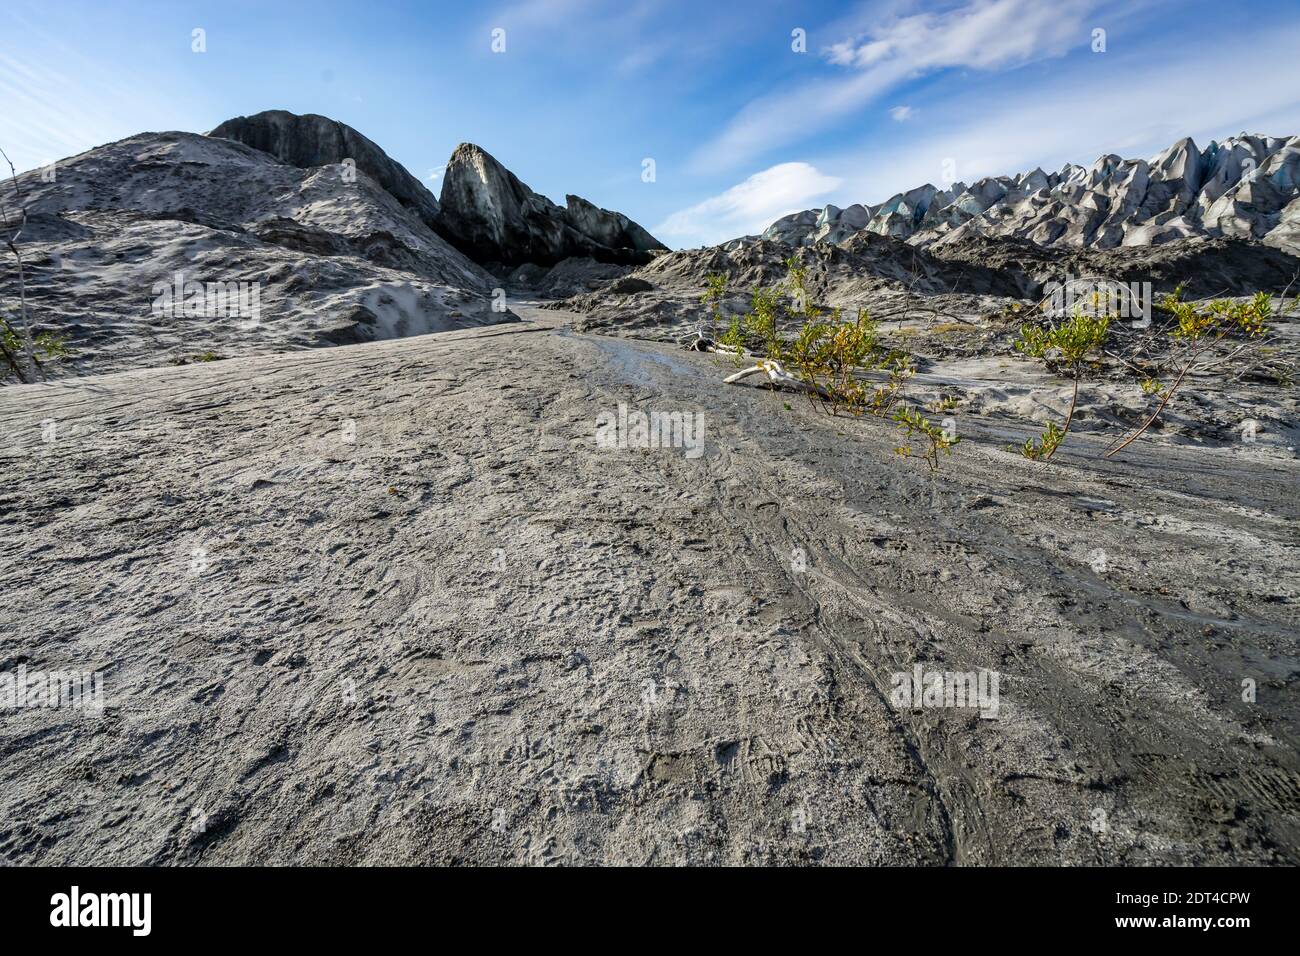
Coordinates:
309 141
132 247
876 273
566 278
891 278
1246 187
164 247
865 260
1206 268
494 218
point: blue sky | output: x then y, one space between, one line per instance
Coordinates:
742 128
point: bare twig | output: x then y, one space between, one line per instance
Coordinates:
1074 401
11 241
1116 449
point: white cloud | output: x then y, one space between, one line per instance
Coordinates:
643 56
901 113
1073 115
781 118
747 207
983 34
1078 115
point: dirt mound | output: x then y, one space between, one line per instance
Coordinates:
133 247
893 280
876 273
1207 267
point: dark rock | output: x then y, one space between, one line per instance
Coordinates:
491 216
574 276
301 237
357 326
385 249
629 284
610 229
310 140
527 276
1206 267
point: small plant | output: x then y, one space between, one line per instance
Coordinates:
827 357
17 342
1034 341
1199 327
1044 447
756 331
803 307
899 368
938 440
733 340
715 290
1068 344
1151 386
25 354
208 356
46 348
851 346
761 321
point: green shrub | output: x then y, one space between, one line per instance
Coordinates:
48 347
1068 344
1197 328
829 356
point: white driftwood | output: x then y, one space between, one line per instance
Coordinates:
773 369
777 374
703 343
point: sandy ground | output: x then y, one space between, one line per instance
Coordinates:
390 603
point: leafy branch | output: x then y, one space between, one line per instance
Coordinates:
823 355
1199 329
1067 344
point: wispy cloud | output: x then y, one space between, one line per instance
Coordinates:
985 34
901 114
1079 114
747 207
45 120
61 98
982 35
1074 115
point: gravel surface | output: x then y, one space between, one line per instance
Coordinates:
391 603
